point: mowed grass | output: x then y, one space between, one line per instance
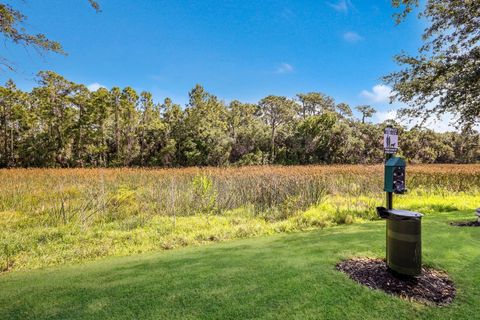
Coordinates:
284 276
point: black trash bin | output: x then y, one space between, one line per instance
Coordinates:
404 241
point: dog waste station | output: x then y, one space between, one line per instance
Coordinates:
404 237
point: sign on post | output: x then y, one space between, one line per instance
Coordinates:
390 140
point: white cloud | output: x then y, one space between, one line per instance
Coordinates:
284 68
439 125
352 37
379 94
95 86
386 115
342 6
444 123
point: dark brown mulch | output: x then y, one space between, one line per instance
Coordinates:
431 287
466 224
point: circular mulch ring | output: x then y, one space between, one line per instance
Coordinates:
431 287
466 224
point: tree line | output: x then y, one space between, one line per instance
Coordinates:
62 124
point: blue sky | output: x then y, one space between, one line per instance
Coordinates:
237 49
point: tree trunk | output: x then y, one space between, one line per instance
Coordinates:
117 132
104 143
79 153
12 147
5 136
272 143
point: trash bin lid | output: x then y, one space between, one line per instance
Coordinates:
405 213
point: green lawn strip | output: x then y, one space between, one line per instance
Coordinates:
289 276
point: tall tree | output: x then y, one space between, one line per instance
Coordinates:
314 103
172 116
444 76
100 109
82 102
276 111
247 133
344 110
13 123
57 114
312 139
151 131
206 139
366 111
129 145
115 101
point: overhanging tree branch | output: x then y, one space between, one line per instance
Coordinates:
445 75
12 27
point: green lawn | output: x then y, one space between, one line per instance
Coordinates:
288 276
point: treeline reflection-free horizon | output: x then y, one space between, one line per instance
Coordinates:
63 124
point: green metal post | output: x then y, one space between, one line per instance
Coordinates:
389 207
389 194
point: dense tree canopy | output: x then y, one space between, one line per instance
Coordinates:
62 124
445 76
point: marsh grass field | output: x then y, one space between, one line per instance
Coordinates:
65 216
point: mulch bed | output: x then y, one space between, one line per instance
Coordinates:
466 224
431 287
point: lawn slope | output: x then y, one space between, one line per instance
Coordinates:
288 276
